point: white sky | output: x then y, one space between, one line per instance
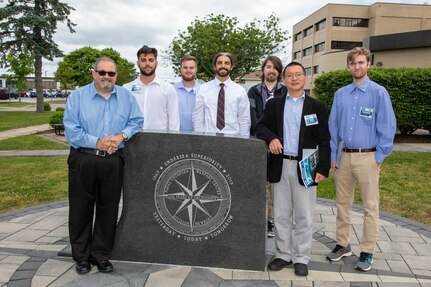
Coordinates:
127 25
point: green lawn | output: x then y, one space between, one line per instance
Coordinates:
31 142
16 104
29 181
14 120
404 186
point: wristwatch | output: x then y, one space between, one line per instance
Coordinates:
125 137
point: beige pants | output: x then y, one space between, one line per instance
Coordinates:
361 168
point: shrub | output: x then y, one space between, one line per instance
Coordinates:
59 109
409 89
56 118
46 107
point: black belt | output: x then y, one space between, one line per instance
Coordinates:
359 149
291 157
97 152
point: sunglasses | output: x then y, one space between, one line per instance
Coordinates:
103 73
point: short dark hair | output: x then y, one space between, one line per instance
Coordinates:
229 55
188 58
147 50
277 65
294 64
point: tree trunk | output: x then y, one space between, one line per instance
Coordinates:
38 82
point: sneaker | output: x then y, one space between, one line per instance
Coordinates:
364 262
339 252
270 229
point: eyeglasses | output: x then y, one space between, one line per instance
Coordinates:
103 73
296 75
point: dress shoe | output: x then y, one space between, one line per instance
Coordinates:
83 267
277 264
301 269
103 265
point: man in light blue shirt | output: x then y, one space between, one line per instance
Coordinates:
186 90
362 125
98 118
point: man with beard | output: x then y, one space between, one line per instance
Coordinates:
186 91
98 118
269 87
258 95
157 99
362 125
222 105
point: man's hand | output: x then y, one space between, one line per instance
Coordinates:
319 177
275 146
333 165
110 144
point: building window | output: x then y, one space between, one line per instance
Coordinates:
319 47
297 55
308 71
316 69
297 37
350 22
307 52
320 25
308 31
344 45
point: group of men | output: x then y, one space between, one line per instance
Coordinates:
354 140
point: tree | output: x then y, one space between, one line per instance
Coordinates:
75 69
249 44
20 66
28 26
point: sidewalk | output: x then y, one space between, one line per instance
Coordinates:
30 240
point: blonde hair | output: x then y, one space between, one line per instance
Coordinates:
357 51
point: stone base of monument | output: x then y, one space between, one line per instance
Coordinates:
194 200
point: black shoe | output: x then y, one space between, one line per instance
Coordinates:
103 265
83 267
301 269
278 264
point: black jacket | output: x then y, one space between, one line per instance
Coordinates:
270 127
256 103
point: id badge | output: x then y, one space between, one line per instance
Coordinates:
366 112
136 88
311 120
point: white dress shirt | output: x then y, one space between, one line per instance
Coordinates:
158 102
236 113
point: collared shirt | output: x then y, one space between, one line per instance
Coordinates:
266 95
236 113
292 124
158 102
363 117
89 116
186 102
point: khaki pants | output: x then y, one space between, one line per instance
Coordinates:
269 207
361 168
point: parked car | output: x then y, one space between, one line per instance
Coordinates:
32 94
4 95
58 94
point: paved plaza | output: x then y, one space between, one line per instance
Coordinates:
31 239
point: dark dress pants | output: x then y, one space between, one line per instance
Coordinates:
95 184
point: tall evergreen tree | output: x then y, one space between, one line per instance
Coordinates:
29 26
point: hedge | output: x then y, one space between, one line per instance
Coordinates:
409 89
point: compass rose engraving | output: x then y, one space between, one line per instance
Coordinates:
192 197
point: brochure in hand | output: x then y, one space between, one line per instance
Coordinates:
308 166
